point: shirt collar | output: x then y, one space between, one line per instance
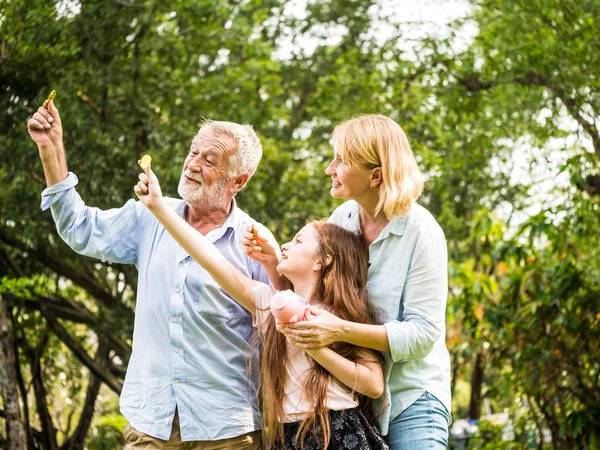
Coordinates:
230 225
395 226
233 220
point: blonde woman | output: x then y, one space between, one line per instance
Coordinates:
374 169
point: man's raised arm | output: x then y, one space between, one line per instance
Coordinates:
45 128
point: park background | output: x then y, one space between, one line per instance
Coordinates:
500 99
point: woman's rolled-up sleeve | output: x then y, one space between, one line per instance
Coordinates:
422 316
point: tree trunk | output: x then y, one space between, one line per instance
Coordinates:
77 439
477 387
455 369
47 437
23 390
15 433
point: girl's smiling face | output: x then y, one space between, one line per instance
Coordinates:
300 256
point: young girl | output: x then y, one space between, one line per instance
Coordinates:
312 399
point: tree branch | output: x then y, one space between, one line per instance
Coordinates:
112 303
474 84
67 309
572 105
66 270
81 354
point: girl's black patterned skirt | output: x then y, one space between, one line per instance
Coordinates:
350 430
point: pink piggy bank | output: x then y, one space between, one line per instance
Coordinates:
288 307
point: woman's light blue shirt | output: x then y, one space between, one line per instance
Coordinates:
408 282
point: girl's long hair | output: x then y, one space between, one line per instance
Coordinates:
342 290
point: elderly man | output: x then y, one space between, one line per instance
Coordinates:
187 384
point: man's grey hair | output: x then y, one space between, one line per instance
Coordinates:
249 149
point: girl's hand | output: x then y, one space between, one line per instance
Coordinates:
148 189
260 245
321 329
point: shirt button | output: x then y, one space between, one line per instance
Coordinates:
177 290
176 381
175 319
176 350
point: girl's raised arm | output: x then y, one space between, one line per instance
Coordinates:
260 245
236 284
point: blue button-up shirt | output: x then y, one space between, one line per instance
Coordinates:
408 282
191 341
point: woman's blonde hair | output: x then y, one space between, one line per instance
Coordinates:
374 140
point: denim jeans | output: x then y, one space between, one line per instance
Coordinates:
421 426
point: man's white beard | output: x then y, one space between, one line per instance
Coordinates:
200 196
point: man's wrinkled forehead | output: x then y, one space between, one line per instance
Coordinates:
211 139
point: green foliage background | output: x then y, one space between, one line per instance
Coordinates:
138 76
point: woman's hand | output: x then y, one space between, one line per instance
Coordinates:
148 189
321 329
260 245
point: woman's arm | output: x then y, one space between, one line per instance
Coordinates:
410 337
422 323
364 376
237 285
325 328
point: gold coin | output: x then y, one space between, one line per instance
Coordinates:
51 95
145 161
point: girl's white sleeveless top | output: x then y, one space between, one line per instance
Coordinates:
295 404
